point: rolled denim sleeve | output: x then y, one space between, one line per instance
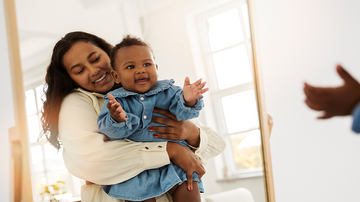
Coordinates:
183 112
356 119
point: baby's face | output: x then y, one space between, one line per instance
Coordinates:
135 69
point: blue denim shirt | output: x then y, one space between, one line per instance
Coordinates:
139 111
356 119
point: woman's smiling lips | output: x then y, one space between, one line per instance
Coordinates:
102 79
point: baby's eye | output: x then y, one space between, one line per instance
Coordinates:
147 64
130 67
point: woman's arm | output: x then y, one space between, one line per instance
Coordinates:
209 143
88 157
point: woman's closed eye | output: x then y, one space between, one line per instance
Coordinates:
95 59
79 71
130 67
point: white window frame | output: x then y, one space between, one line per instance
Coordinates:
198 36
34 82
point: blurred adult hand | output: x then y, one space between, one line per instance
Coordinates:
338 101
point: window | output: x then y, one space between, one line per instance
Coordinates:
46 163
226 48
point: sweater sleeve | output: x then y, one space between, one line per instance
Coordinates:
88 156
211 143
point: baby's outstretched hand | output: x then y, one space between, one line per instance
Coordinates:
193 91
115 109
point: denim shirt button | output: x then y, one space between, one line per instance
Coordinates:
145 116
129 125
142 98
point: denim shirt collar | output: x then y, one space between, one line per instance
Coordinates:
160 86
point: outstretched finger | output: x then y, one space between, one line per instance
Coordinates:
198 82
315 93
189 181
111 97
187 81
113 107
313 105
344 74
202 85
325 116
204 90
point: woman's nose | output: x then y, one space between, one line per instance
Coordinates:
94 71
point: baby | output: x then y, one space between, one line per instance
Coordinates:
127 113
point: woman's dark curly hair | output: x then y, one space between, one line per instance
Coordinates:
58 83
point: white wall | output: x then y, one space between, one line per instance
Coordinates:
7 118
168 36
301 41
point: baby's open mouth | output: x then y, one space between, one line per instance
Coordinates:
142 80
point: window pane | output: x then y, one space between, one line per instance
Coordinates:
232 67
240 111
225 30
247 150
65 185
39 182
53 158
246 19
39 96
30 102
37 159
43 137
33 128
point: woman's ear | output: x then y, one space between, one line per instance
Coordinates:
115 76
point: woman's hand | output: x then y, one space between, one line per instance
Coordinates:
186 159
338 101
176 130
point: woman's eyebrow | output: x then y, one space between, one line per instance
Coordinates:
92 53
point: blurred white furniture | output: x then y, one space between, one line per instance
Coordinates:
236 195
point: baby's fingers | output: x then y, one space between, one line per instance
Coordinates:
198 82
202 91
111 98
202 85
114 106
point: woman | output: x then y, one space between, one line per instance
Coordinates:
77 78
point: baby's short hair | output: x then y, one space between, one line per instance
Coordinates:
128 40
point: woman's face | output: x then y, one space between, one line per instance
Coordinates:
89 66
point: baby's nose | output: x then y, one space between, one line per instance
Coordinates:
140 71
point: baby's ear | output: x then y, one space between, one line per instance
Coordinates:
115 76
157 67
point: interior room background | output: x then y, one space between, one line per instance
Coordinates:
300 41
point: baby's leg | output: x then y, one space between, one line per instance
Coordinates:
147 200
181 193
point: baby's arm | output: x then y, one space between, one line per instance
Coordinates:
115 109
193 91
114 122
